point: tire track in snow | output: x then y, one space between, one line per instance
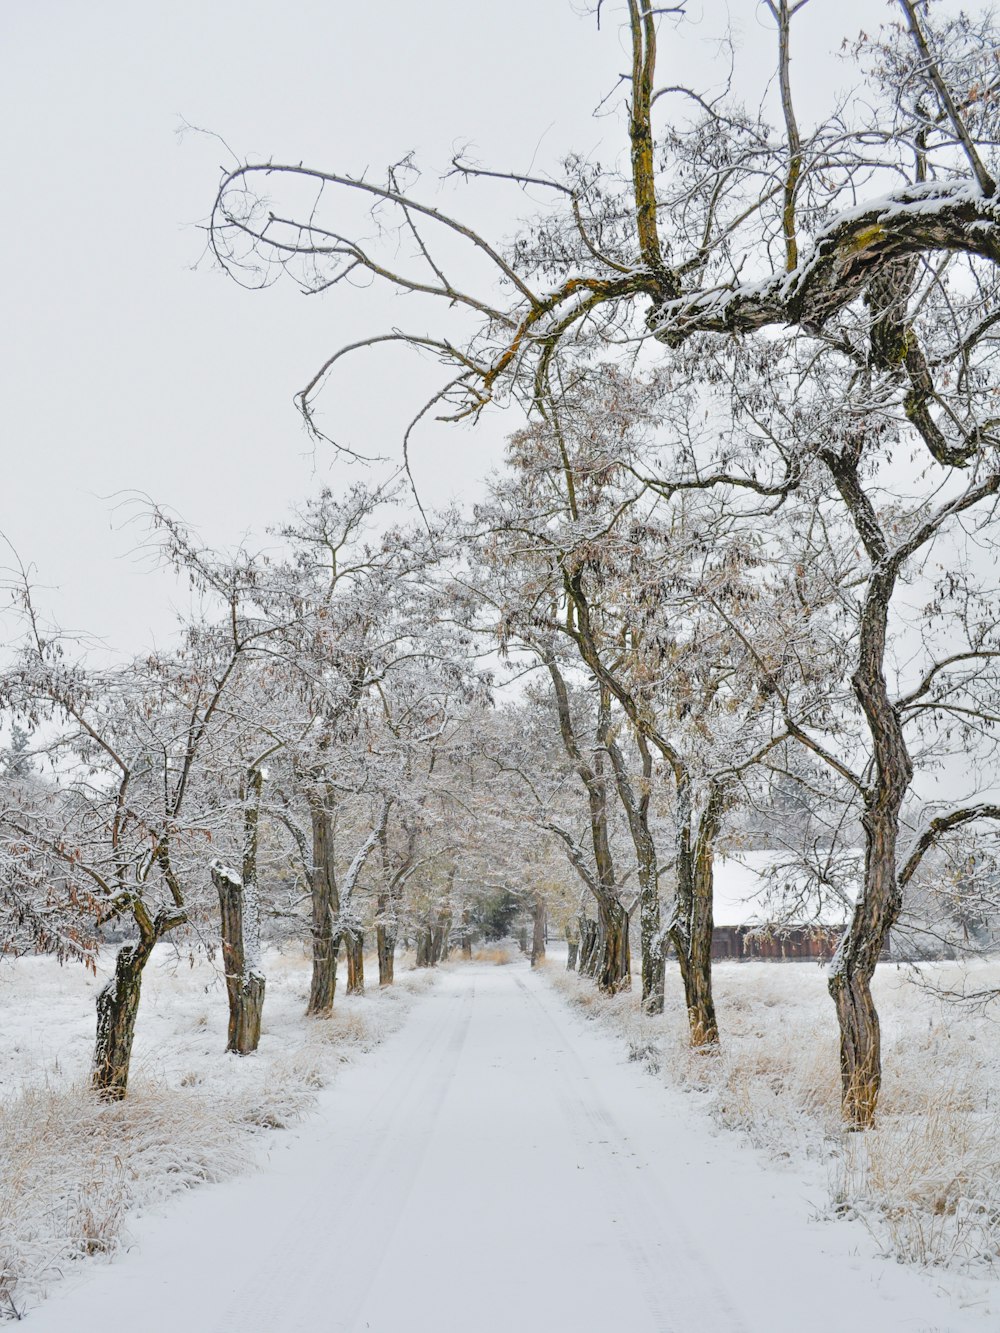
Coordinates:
673 1270
301 1274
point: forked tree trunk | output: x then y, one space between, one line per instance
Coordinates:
325 944
635 800
117 1007
614 969
241 959
589 946
354 948
538 932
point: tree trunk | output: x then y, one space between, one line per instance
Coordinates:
880 900
439 939
860 1047
538 932
589 946
692 933
653 962
240 957
423 946
324 905
614 971
522 938
385 943
635 801
466 935
117 1007
698 982
854 963
572 951
354 948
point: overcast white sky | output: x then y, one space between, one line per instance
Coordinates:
127 364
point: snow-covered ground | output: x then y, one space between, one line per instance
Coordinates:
75 1175
500 1161
926 1181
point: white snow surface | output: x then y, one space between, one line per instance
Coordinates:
498 1163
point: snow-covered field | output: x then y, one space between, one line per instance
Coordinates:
496 1136
74 1175
926 1181
499 1162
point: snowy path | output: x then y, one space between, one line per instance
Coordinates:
497 1164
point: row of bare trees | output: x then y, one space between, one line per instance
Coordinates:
300 749
321 746
779 534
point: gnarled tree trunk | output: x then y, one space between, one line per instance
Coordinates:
880 901
118 1003
117 1007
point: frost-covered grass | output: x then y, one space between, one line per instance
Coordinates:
72 1170
926 1180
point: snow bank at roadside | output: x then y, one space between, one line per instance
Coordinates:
926 1181
73 1170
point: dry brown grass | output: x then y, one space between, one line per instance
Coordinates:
926 1180
73 1169
500 955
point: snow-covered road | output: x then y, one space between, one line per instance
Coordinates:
498 1164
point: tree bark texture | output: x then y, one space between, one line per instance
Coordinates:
117 1007
636 806
693 918
614 967
244 980
590 946
354 948
880 900
325 906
